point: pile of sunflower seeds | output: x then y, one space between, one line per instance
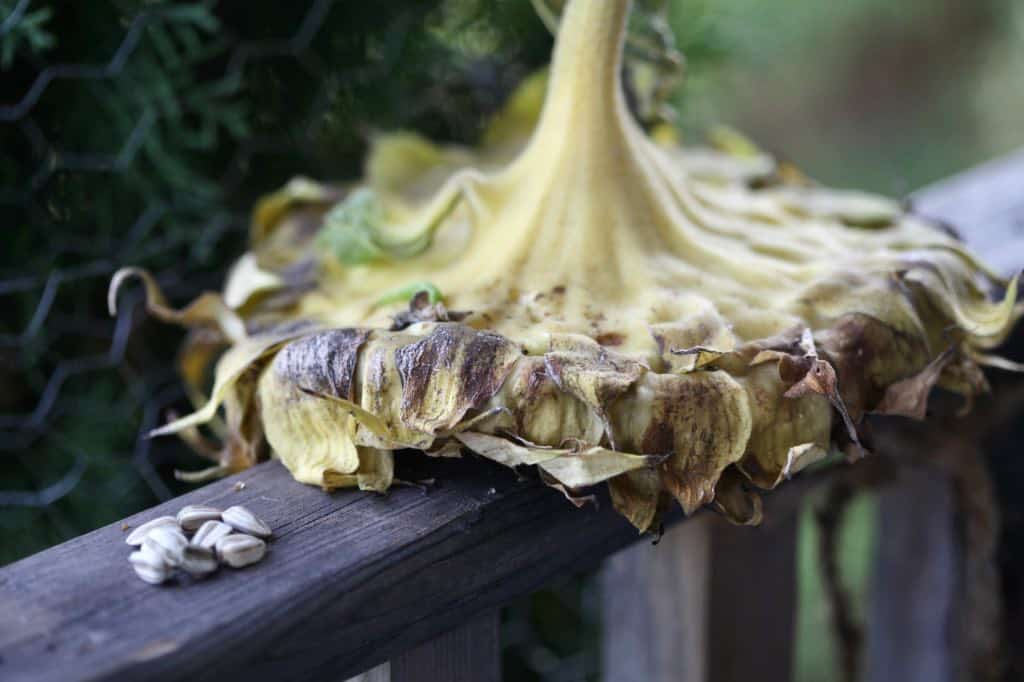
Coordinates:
197 542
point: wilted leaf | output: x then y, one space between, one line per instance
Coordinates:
638 496
231 366
246 279
909 397
207 310
780 424
450 371
736 501
596 376
311 435
702 420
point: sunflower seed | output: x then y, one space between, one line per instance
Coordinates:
149 566
167 543
136 537
195 515
208 534
198 561
240 550
244 521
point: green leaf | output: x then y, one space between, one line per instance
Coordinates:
350 228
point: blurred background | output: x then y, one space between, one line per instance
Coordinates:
140 132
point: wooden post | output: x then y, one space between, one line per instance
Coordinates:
753 603
655 607
711 601
910 634
470 653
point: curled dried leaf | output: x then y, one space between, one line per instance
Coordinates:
781 424
735 499
207 310
638 496
909 397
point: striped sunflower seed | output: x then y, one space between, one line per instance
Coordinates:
136 537
149 565
167 543
240 550
208 534
244 521
198 562
194 515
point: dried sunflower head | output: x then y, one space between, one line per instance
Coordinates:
579 296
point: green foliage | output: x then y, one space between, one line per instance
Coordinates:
23 30
350 229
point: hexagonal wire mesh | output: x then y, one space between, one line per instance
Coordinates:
139 132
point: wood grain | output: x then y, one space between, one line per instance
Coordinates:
914 592
469 653
655 607
752 600
351 580
711 601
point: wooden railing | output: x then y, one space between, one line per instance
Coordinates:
407 587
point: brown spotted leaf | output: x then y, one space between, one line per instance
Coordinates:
594 375
781 426
541 412
868 355
309 434
702 420
450 371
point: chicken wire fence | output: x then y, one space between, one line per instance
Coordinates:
139 132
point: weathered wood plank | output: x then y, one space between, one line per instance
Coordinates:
655 607
752 600
352 579
711 601
469 653
916 580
